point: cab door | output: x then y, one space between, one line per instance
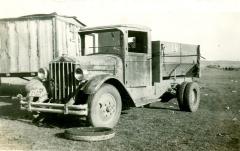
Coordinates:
138 59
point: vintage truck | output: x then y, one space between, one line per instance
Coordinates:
119 67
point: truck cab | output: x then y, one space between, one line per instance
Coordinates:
119 67
132 44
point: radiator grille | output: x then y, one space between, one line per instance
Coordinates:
63 81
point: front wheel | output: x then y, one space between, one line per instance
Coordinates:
104 107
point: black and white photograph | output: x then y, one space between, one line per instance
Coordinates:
120 75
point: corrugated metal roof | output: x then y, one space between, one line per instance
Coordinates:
54 14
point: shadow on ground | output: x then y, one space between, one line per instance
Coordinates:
169 102
10 109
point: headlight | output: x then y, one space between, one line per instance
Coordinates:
80 73
42 74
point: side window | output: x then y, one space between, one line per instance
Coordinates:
137 41
91 43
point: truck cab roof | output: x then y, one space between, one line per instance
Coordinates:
120 26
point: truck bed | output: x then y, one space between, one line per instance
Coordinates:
175 59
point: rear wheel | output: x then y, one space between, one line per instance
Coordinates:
192 97
180 96
104 107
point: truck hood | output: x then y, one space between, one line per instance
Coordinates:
101 64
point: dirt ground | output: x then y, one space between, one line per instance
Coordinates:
215 126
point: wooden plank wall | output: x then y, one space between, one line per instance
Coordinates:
45 42
61 38
67 43
13 47
25 45
33 47
4 53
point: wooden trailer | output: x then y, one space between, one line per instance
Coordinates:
30 42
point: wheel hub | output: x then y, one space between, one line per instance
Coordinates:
107 106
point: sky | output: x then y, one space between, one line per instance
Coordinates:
213 24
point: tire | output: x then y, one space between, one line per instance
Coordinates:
180 96
105 107
89 133
192 97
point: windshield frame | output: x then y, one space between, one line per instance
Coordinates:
83 43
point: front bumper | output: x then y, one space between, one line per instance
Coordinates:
27 104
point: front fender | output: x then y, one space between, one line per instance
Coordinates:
95 83
36 84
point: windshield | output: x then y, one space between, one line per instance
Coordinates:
104 42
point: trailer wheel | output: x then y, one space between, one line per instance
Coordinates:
192 97
180 95
104 107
